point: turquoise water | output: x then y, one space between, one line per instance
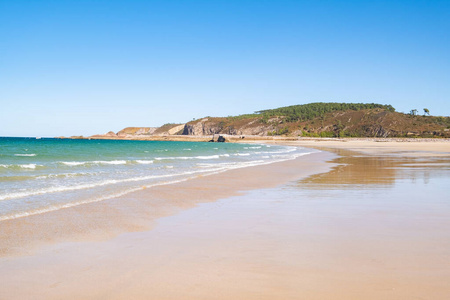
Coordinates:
42 175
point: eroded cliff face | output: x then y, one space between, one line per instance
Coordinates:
168 129
210 126
141 132
202 127
136 131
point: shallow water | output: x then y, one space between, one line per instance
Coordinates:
38 176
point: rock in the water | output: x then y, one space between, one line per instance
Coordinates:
221 139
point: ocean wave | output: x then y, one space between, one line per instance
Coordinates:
188 157
144 162
48 176
56 207
30 166
66 175
21 166
94 162
20 154
56 189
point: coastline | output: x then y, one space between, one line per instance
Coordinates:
253 138
247 234
138 211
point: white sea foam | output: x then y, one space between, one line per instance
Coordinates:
20 154
23 166
111 162
188 157
28 166
66 175
55 189
94 162
81 202
144 162
73 163
241 154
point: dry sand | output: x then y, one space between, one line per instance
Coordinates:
374 227
398 147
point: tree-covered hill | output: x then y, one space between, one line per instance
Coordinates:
313 110
325 120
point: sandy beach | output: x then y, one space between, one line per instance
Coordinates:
358 220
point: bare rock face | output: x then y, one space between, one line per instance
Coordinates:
168 129
132 131
202 127
110 134
175 129
210 126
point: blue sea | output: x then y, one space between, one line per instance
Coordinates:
43 175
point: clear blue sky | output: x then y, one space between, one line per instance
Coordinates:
86 67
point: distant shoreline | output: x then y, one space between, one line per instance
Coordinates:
243 138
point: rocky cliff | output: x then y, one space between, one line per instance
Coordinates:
311 120
136 131
141 132
373 122
210 126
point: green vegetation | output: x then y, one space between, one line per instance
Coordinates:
313 110
242 117
281 131
334 120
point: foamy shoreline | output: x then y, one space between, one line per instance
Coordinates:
29 229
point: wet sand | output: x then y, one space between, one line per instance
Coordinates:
138 211
375 226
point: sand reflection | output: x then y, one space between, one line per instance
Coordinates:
354 170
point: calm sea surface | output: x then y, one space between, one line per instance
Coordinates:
41 175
